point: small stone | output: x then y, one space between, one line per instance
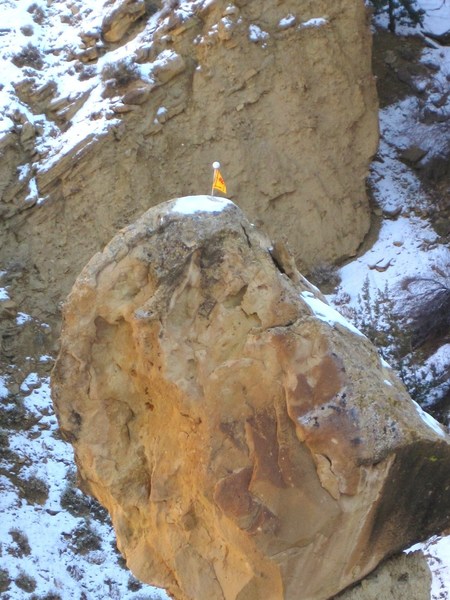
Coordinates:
124 108
28 132
167 65
8 309
390 58
27 30
138 95
381 266
89 54
413 154
231 9
392 212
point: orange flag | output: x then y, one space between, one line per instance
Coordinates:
218 181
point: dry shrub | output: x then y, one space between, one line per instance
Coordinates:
120 73
25 582
84 539
29 56
5 580
325 276
429 307
37 13
22 546
34 490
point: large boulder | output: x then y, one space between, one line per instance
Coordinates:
247 441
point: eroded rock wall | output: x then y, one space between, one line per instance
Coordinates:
247 441
280 92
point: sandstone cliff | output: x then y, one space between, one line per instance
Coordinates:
137 107
246 440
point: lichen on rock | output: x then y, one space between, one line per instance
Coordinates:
247 443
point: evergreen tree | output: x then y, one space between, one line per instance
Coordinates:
403 11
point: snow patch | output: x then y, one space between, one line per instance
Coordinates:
45 358
4 294
428 420
22 318
327 313
190 205
404 260
256 34
287 22
3 389
29 382
316 22
437 16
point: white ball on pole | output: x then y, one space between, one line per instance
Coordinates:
216 165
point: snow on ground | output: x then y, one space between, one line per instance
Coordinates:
315 22
437 552
406 246
3 388
436 19
437 16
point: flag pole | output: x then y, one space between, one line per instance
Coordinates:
215 166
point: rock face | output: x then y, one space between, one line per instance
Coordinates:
280 92
402 577
247 442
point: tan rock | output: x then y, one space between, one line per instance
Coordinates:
138 95
123 14
247 442
121 108
167 65
88 55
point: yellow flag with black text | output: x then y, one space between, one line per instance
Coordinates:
218 182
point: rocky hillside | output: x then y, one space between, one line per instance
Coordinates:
111 107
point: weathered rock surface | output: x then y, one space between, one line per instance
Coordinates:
248 443
286 103
402 577
118 19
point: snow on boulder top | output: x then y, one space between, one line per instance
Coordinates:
188 205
